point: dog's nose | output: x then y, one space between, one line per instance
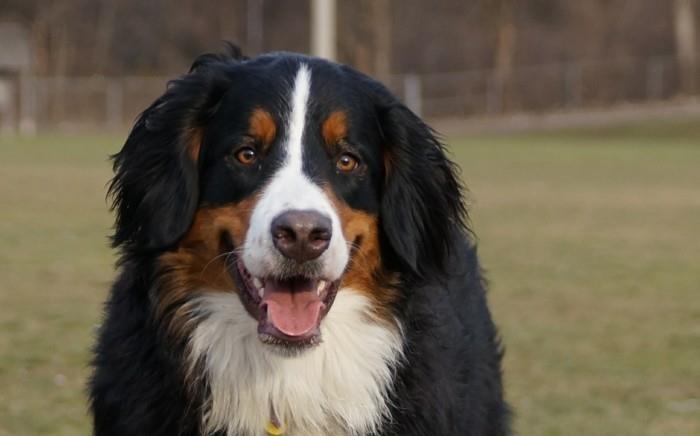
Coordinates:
301 235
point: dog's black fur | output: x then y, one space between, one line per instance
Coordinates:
450 380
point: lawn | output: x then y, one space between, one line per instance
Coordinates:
591 241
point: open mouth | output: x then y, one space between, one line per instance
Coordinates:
289 310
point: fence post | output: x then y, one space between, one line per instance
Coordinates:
655 79
7 109
114 102
413 93
27 104
572 85
494 93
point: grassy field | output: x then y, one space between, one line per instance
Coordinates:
591 240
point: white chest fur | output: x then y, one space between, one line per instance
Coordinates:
339 387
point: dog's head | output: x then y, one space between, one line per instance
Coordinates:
285 179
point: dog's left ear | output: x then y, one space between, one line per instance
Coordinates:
422 209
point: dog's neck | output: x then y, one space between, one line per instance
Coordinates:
338 387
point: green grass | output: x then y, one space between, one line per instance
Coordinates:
591 240
592 244
55 267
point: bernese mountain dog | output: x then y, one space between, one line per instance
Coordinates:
294 260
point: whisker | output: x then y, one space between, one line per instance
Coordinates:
226 255
238 251
359 259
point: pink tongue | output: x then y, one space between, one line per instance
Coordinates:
292 313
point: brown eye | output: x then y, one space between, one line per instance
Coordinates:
347 163
246 155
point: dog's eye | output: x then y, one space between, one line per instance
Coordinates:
347 163
246 155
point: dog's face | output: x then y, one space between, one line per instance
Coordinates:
284 179
305 179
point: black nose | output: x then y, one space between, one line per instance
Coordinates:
301 235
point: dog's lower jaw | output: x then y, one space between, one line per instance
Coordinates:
341 386
285 349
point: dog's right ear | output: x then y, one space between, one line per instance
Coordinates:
155 187
422 210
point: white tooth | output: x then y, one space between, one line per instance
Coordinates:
257 283
321 287
261 292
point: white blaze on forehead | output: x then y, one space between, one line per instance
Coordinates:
300 98
291 189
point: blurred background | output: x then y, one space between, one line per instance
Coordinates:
576 125
67 64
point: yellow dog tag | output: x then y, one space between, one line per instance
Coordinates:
274 430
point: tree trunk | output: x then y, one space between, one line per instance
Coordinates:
381 17
254 27
686 50
505 52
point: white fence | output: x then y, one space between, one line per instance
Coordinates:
540 87
112 103
82 103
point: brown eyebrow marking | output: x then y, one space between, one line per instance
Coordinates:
335 128
262 127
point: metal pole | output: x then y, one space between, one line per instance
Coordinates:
323 28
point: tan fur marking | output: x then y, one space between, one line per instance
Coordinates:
199 262
262 126
366 273
335 128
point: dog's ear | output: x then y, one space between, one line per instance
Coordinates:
155 187
422 210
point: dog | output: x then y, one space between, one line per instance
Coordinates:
295 259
